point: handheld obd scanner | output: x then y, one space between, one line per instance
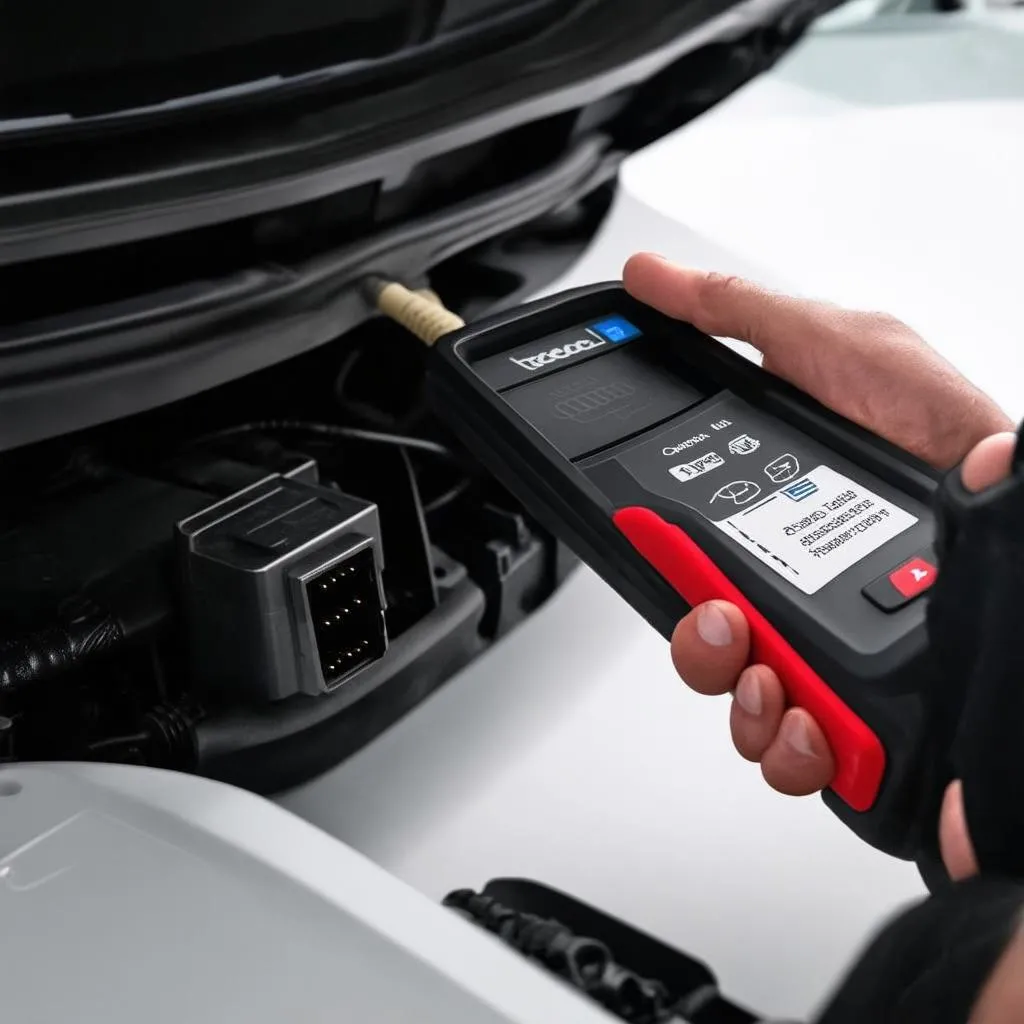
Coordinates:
681 472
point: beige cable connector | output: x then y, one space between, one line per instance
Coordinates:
429 293
420 312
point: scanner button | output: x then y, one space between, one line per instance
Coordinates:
913 578
900 586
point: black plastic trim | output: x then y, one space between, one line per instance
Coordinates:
361 142
401 65
67 374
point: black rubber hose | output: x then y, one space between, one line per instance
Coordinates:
83 631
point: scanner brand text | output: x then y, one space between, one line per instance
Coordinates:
553 355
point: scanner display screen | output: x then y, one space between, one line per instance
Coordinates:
779 495
770 490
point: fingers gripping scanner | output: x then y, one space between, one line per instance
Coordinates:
682 472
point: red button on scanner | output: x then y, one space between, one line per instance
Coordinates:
913 578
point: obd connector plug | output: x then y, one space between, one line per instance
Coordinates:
283 591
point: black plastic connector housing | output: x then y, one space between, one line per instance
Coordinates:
283 592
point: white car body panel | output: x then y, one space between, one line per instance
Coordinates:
128 895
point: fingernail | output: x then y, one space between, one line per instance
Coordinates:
713 626
748 694
797 736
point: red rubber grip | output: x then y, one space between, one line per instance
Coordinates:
860 756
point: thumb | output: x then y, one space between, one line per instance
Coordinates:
726 306
955 844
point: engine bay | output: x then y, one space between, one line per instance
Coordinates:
253 583
233 539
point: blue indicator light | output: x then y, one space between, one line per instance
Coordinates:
615 329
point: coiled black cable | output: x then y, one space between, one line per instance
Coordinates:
585 963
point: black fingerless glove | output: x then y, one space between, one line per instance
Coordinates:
931 962
976 632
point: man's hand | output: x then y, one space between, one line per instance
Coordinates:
873 370
868 367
